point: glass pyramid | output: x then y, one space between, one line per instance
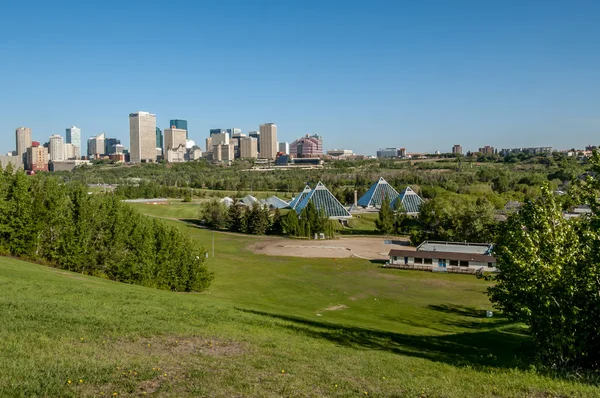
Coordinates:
410 201
300 197
374 196
323 199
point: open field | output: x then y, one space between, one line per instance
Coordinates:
267 327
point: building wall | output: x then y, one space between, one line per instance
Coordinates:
37 158
142 137
457 150
179 124
435 262
15 161
308 146
248 148
23 139
227 153
74 138
175 155
56 148
174 138
268 141
95 147
220 139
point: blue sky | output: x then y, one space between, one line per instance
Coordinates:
364 74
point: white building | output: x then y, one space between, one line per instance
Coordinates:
445 257
142 137
95 146
23 141
174 138
284 147
56 148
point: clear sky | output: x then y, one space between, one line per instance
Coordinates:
364 74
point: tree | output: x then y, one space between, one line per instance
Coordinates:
550 278
385 220
214 214
236 218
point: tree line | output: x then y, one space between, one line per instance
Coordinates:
63 226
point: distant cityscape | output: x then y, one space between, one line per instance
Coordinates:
149 144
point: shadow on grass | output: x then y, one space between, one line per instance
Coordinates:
458 310
482 349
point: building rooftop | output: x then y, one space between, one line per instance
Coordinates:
325 201
455 247
377 192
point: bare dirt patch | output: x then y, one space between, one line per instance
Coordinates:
336 307
367 248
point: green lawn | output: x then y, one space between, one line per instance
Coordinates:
267 327
172 210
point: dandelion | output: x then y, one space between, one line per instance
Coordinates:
282 370
81 381
135 373
165 375
115 394
68 381
366 393
336 386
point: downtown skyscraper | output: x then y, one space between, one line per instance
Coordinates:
268 141
74 138
142 137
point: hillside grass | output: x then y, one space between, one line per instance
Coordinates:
268 326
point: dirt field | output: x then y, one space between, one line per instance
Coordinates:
367 248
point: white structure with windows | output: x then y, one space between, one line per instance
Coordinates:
445 257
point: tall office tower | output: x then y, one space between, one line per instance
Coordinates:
268 141
180 124
142 137
248 148
23 137
95 146
223 153
56 148
284 147
457 149
74 137
159 138
235 141
109 143
255 134
174 138
217 131
209 144
233 132
36 157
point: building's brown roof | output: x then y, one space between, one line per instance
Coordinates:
443 255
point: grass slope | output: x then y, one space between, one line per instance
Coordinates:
257 332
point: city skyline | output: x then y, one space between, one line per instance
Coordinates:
420 76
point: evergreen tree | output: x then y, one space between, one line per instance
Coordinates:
385 220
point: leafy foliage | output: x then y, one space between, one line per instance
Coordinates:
550 276
63 226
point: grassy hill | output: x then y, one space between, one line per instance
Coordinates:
269 326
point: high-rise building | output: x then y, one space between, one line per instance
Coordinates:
248 148
71 152
56 148
235 141
142 137
222 138
95 146
159 138
457 149
217 131
36 157
255 134
268 141
309 146
402 152
387 153
23 138
174 138
487 150
284 147
223 153
209 144
179 124
74 137
109 144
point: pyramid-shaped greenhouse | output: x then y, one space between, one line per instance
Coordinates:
323 199
410 201
298 199
374 196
